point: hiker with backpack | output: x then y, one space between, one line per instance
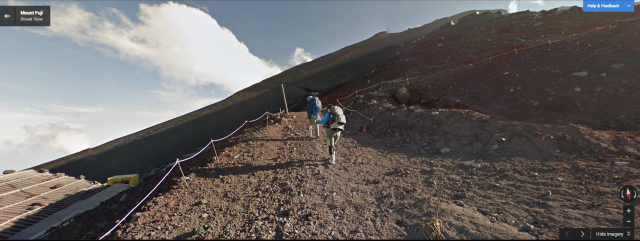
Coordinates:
334 121
313 111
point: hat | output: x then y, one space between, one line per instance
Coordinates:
309 98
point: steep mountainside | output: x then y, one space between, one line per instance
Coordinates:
527 122
163 143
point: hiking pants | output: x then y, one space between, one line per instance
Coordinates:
315 127
332 138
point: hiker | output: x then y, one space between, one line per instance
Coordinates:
334 121
313 110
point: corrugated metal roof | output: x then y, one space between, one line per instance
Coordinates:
26 197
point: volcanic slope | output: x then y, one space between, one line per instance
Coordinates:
541 67
141 151
501 180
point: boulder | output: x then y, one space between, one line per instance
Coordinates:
617 66
581 74
402 95
8 171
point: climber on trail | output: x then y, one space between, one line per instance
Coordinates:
334 121
313 110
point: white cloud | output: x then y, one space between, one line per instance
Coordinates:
42 143
513 5
74 109
181 97
300 56
55 137
34 133
184 44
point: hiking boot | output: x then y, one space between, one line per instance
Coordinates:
332 161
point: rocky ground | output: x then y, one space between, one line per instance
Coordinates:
502 180
521 147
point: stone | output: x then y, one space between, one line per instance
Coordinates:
505 167
494 147
434 113
518 40
59 185
402 95
547 193
502 139
542 221
8 171
205 215
462 194
43 170
81 177
365 129
254 139
445 150
617 66
461 204
536 24
528 227
577 89
60 174
475 165
198 230
38 204
603 74
581 74
621 163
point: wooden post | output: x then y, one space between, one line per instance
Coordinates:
214 149
267 119
285 99
183 177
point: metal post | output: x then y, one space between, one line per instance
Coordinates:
285 99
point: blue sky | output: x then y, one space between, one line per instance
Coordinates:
105 69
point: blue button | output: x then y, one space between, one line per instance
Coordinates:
607 6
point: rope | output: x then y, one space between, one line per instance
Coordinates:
172 167
434 224
371 119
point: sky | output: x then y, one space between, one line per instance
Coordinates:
106 69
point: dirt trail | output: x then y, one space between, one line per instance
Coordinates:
274 182
523 146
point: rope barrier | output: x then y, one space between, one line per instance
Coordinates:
178 161
280 112
371 119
